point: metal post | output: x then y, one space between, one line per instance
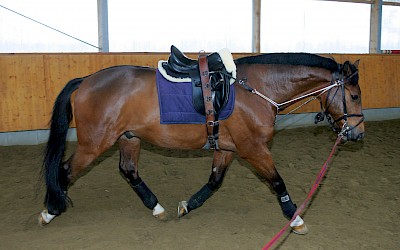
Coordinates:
256 26
102 19
375 27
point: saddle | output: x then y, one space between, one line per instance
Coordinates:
180 68
211 76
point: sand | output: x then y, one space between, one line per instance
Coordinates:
356 207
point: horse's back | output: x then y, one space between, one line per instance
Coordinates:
115 81
109 86
111 97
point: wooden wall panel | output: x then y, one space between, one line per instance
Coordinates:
22 93
29 83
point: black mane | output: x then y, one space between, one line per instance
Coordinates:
304 59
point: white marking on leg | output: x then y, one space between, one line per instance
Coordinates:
158 209
298 221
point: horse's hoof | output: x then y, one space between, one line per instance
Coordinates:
182 209
45 218
298 226
41 221
161 216
301 230
159 212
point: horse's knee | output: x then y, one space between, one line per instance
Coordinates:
128 169
216 178
131 176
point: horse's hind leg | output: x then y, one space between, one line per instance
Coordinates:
128 166
222 160
71 169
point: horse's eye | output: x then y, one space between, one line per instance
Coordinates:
354 97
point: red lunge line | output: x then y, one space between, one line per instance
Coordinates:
310 194
390 51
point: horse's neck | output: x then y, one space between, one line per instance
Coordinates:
297 82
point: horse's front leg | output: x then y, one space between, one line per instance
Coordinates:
128 166
222 160
260 158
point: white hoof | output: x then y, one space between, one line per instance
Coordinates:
159 212
298 226
182 209
45 218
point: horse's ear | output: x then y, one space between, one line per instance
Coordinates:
356 63
345 67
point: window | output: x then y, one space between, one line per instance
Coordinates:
314 26
390 27
74 17
154 25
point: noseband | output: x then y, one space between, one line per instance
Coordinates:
339 81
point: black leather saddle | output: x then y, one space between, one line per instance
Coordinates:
181 66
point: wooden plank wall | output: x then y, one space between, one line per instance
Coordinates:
29 83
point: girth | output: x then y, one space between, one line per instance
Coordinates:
212 122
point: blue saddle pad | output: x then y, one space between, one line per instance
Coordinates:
176 105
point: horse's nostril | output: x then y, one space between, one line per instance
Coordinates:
360 136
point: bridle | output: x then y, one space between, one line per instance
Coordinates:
339 81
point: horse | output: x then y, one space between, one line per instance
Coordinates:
120 105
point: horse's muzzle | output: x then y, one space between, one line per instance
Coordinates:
359 137
353 136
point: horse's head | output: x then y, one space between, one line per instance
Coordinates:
342 104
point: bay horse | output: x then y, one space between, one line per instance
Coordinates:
120 104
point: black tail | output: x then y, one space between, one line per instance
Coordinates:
56 199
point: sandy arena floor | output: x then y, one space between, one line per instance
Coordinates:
356 207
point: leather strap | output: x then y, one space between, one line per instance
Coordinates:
211 124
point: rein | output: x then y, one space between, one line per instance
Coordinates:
280 105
